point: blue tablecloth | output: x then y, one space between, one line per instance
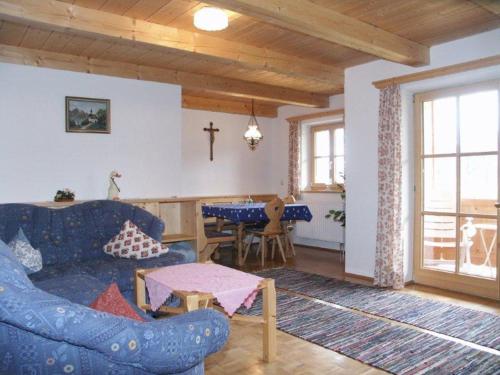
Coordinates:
254 212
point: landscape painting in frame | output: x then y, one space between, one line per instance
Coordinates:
87 115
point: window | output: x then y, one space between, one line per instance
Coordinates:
327 156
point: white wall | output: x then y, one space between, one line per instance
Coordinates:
37 156
160 148
361 100
235 169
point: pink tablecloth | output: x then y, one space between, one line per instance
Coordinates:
232 288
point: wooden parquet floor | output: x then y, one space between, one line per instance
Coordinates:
243 353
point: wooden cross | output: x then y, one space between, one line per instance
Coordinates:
212 131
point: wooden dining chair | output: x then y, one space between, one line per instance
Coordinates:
273 230
214 238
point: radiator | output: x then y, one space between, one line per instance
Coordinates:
320 228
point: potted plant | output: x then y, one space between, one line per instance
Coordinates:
338 215
65 195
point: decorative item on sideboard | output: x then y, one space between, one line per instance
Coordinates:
65 195
113 189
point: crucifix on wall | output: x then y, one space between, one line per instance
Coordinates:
212 131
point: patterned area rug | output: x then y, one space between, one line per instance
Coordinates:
470 325
392 348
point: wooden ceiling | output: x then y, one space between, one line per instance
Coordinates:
276 52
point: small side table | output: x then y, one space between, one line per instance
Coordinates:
191 301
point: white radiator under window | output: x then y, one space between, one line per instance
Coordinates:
320 228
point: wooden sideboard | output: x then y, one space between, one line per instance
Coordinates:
182 215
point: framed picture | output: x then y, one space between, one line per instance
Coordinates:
87 115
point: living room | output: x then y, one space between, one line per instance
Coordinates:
273 151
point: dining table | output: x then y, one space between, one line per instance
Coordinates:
243 214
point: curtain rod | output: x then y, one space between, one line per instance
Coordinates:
438 72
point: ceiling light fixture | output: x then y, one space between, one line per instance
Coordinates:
253 135
210 19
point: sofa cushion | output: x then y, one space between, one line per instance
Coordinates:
82 289
121 271
77 288
112 301
75 233
11 270
6 251
132 243
28 256
185 249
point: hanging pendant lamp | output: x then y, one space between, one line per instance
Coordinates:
253 135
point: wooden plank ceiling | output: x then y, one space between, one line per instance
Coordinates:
276 52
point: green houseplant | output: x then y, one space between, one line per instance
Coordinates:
338 215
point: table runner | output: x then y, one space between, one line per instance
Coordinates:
253 212
231 288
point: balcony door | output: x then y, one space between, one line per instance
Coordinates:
457 189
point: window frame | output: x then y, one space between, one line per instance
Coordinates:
456 280
313 186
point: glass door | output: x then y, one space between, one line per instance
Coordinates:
457 189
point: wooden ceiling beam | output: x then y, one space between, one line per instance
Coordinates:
228 106
308 18
227 86
492 6
60 16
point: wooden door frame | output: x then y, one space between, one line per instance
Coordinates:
453 281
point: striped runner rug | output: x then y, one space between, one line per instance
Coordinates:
475 326
398 350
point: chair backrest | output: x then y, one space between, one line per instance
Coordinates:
274 210
289 199
439 231
74 233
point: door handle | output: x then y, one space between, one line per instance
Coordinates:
497 205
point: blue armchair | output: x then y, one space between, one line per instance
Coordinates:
45 326
41 333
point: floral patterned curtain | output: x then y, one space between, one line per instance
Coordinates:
294 139
389 250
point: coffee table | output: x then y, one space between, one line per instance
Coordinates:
195 299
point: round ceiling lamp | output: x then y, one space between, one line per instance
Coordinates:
210 19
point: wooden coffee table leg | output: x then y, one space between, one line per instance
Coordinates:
269 315
192 302
140 289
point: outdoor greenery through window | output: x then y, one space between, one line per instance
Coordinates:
327 156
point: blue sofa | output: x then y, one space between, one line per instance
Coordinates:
45 326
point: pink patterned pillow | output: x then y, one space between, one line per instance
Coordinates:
132 243
113 302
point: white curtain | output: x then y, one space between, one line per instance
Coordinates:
389 250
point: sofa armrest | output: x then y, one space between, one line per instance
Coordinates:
177 344
172 345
